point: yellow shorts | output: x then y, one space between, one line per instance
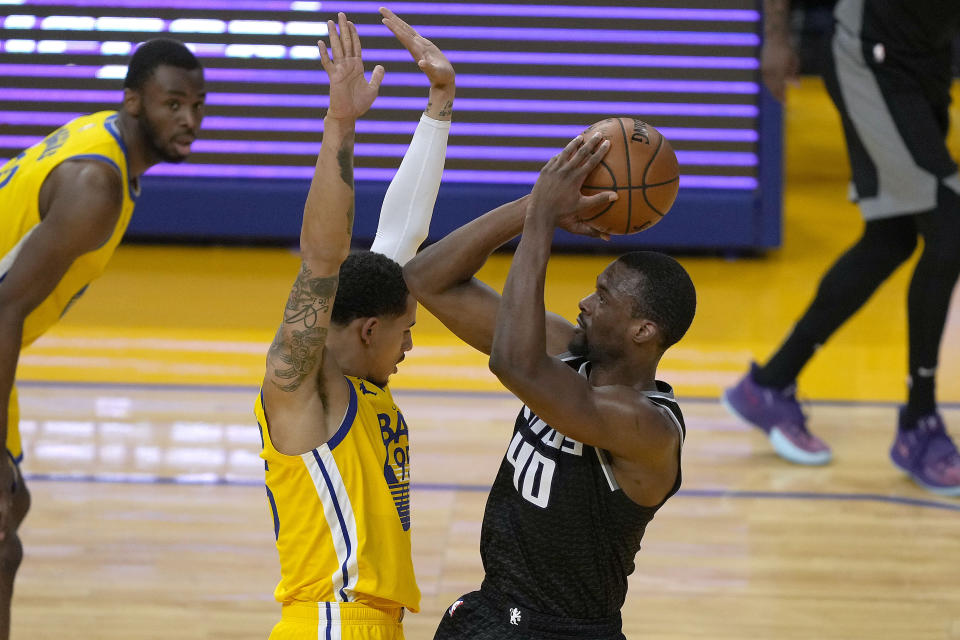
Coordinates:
13 427
338 621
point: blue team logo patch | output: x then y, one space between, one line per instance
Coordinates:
6 173
396 465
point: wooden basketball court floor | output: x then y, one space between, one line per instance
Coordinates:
149 517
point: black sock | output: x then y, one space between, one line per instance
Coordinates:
920 401
784 366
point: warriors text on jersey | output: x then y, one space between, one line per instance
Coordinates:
93 137
559 536
341 512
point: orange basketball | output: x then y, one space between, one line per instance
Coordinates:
641 167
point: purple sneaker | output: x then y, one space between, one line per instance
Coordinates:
928 454
778 414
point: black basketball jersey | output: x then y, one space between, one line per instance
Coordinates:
909 38
559 536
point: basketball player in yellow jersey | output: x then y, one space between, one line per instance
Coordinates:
334 441
65 204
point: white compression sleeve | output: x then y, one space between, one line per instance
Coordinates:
412 194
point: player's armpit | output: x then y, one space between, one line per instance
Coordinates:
631 427
649 475
303 385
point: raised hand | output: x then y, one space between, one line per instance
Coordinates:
350 93
427 55
557 195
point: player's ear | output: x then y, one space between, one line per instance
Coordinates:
368 330
644 330
132 102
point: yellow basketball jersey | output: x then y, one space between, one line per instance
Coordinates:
341 512
94 137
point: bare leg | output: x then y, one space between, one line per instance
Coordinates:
11 549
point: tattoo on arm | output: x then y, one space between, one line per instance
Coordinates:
300 355
345 160
308 298
350 211
301 347
446 110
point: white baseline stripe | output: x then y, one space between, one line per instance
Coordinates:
100 343
142 365
154 344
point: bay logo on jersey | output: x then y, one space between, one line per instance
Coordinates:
396 465
8 170
533 452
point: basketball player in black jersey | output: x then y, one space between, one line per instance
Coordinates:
596 447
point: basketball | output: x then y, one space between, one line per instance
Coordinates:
641 168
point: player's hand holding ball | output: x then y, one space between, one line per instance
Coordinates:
557 196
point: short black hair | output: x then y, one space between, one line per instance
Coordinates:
154 53
371 285
665 293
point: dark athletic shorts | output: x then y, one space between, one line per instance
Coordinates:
894 111
482 615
